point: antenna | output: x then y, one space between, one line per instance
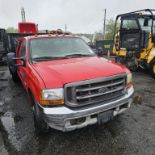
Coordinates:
23 14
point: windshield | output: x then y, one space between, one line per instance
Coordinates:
144 24
129 24
46 48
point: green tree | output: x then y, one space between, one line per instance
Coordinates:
110 27
11 30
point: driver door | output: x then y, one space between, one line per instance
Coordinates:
22 71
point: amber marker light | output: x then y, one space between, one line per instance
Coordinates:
129 80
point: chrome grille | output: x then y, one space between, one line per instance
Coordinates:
95 91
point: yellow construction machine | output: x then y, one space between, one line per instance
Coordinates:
134 40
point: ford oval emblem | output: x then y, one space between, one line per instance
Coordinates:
103 90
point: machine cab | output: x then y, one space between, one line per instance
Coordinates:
135 30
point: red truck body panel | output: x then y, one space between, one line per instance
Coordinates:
56 73
27 27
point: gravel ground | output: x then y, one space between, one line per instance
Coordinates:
130 133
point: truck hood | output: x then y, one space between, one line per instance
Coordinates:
56 73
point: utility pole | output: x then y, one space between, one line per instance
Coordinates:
23 14
104 24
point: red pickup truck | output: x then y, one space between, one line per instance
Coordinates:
69 86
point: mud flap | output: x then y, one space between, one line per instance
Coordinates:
105 117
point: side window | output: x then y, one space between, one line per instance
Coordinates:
23 49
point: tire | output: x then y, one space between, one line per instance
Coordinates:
41 126
152 67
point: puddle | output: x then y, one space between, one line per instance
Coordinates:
2 146
2 73
19 130
1 113
2 88
18 118
3 85
150 92
1 102
9 125
7 99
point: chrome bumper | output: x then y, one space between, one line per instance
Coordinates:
66 119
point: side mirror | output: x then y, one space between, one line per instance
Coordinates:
22 59
10 57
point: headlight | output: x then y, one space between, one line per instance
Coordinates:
129 80
52 96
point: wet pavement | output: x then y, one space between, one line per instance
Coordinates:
130 133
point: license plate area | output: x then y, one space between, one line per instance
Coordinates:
105 116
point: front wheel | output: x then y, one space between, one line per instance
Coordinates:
152 68
41 126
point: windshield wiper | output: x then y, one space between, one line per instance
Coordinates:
78 55
47 58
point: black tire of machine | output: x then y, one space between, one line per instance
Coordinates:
130 63
152 68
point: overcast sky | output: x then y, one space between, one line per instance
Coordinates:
84 16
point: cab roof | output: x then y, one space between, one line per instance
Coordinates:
145 12
136 15
49 36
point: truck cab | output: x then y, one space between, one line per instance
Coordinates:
69 87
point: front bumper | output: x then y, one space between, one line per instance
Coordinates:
66 119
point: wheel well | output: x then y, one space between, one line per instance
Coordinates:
30 96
